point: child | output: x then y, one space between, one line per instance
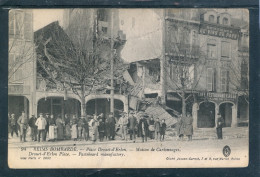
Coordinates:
162 130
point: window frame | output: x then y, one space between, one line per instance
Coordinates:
225 48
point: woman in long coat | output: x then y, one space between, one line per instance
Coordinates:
74 128
188 127
60 128
180 128
67 127
94 124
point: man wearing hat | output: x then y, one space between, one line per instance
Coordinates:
47 126
13 125
132 126
220 123
111 124
23 122
33 127
41 123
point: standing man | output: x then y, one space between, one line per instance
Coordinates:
151 127
143 128
157 129
132 126
33 127
220 123
111 123
162 130
41 123
123 121
47 126
13 125
23 122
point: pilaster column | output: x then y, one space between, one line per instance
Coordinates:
234 116
195 108
216 113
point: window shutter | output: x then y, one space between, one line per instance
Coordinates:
214 79
28 26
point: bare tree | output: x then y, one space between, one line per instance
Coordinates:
21 47
74 65
186 60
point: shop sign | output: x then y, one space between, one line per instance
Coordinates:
218 96
219 31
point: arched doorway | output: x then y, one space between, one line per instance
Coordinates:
225 109
102 105
59 106
206 115
17 104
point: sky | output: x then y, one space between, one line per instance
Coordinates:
43 17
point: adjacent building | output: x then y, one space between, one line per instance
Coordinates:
195 52
21 62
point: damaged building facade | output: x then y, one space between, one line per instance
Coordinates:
202 54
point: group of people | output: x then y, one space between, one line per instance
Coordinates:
185 126
46 126
142 125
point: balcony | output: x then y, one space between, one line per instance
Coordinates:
182 51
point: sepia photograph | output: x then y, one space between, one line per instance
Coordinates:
128 88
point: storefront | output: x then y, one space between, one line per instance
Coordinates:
209 104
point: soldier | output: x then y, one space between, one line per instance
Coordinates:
23 122
220 122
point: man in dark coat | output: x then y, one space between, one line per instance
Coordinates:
47 118
111 123
13 125
33 127
188 127
151 127
162 130
101 129
143 128
220 122
132 125
85 128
